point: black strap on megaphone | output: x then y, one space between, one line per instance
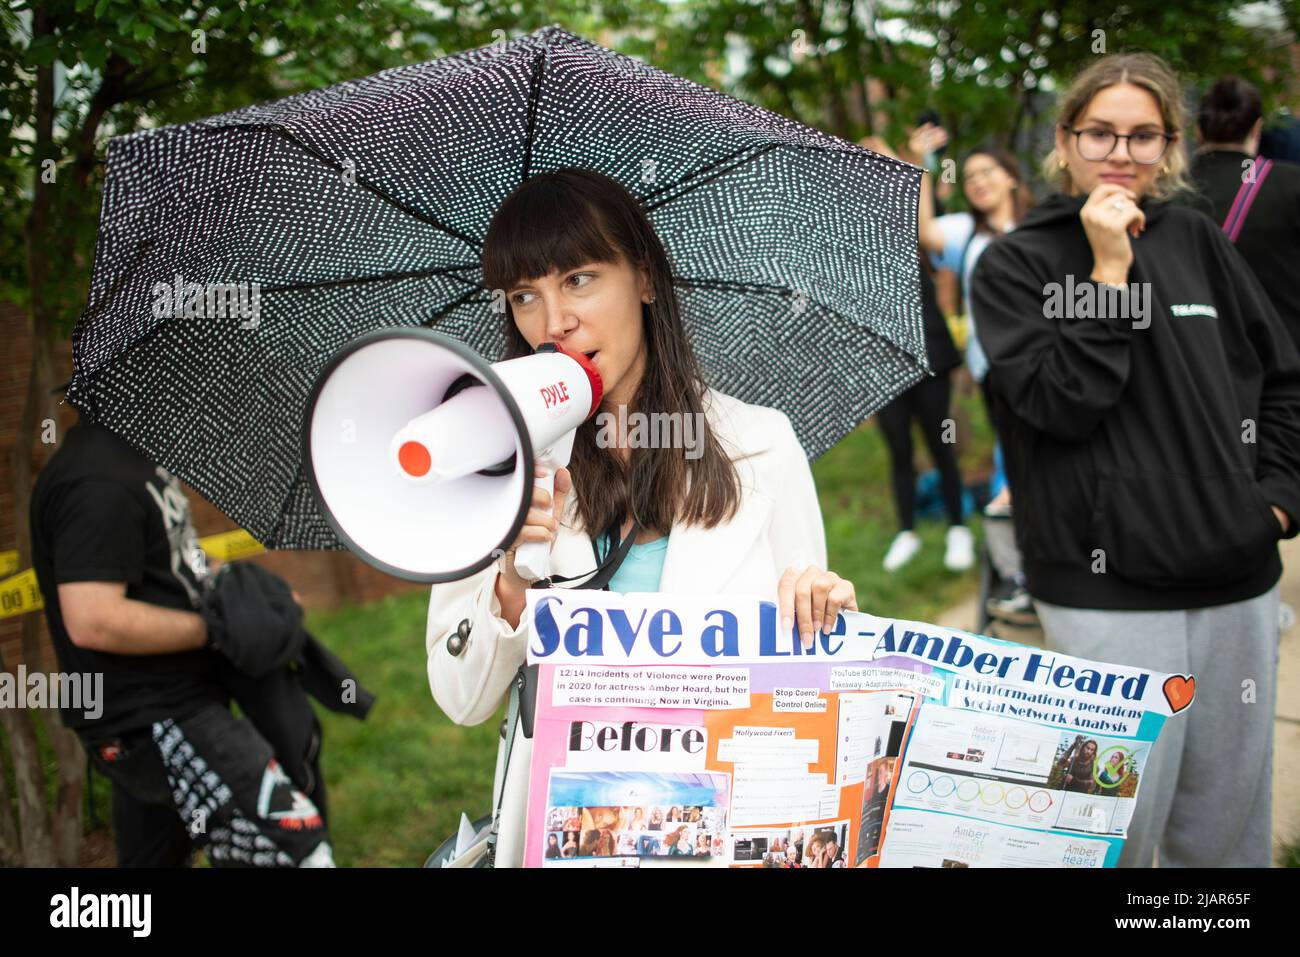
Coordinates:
604 570
599 580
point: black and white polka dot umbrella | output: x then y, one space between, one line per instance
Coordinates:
238 253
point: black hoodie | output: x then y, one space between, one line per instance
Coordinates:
1143 461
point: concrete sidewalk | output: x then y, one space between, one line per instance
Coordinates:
1286 729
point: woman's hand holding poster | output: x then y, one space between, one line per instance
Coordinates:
674 728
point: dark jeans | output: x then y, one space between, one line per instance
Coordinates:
927 403
208 781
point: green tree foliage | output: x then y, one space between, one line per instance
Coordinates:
989 69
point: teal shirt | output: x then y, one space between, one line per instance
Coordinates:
642 568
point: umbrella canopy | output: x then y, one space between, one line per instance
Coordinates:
237 254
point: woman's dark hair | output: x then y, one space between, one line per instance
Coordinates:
1228 110
1021 196
559 221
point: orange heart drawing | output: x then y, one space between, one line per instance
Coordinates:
1179 691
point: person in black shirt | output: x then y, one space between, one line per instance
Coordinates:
1266 218
122 575
123 579
927 403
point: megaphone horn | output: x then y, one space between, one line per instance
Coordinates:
421 454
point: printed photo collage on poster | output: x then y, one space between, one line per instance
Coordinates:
997 755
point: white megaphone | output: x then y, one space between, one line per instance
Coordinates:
421 454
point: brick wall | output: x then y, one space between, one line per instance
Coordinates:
322 579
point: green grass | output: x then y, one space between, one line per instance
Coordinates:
399 781
858 512
1290 856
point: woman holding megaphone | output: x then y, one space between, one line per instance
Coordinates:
735 512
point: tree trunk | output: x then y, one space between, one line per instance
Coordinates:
40 405
67 748
66 819
11 851
38 840
29 782
29 779
858 45
72 783
831 92
42 845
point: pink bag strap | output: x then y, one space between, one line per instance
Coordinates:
1245 199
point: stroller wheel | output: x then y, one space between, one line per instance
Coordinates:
442 855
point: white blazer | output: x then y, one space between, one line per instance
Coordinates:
778 525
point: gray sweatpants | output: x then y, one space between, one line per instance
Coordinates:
1205 796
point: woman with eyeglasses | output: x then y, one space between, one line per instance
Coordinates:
1150 399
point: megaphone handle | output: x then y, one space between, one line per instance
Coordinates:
533 559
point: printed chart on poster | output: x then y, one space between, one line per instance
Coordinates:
686 731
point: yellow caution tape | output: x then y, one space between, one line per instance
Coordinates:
20 594
228 546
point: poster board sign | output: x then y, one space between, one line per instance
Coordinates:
674 730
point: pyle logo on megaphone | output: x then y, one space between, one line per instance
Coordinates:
472 429
556 397
439 477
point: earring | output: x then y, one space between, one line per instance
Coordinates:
652 299
1164 167
1061 164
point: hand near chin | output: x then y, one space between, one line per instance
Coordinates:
1111 220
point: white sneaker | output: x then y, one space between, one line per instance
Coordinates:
901 550
960 552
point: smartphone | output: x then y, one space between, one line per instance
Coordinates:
930 115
